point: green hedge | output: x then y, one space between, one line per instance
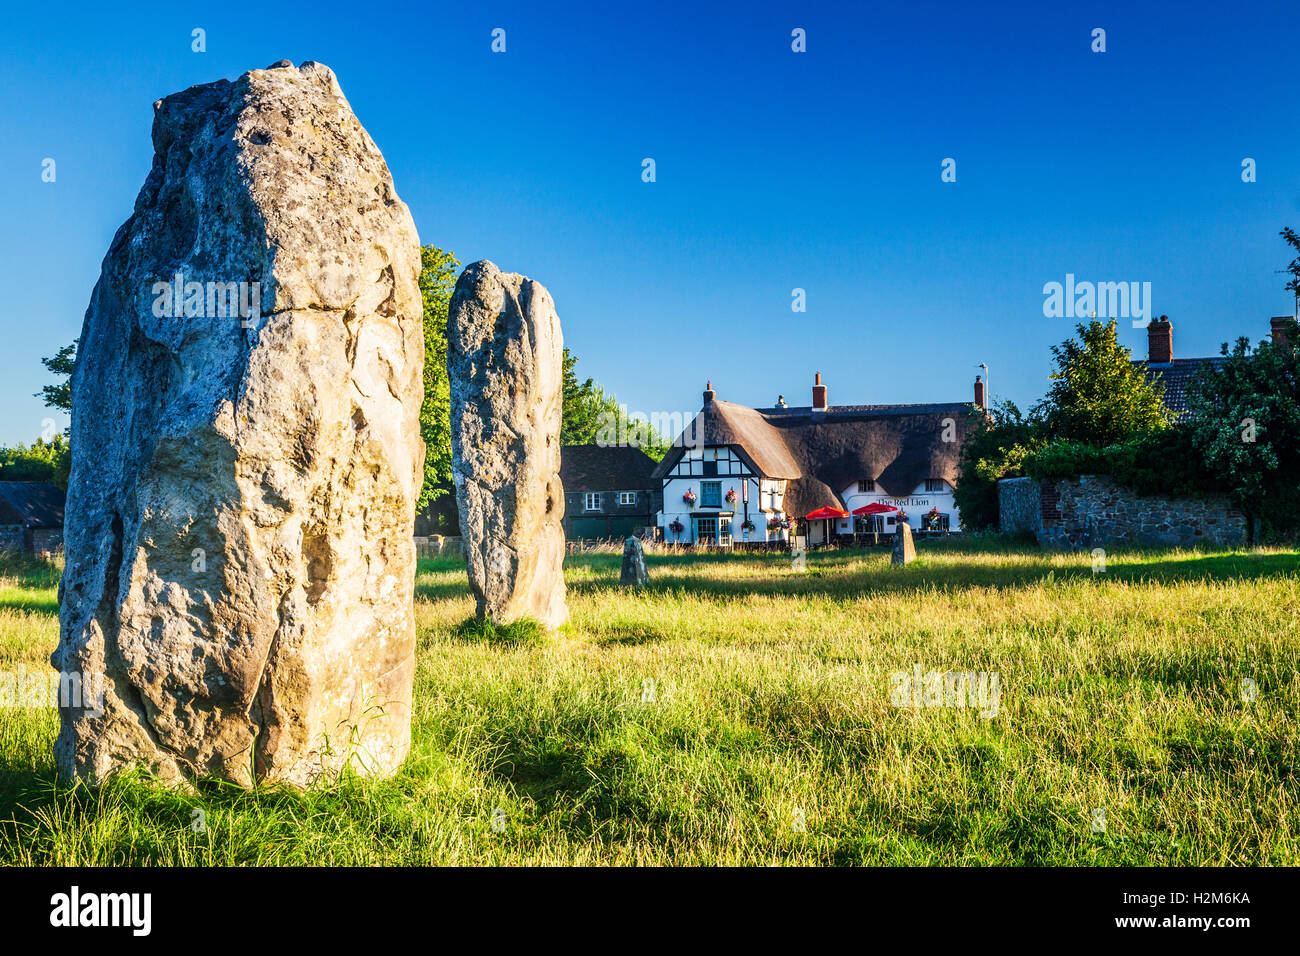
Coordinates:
1164 462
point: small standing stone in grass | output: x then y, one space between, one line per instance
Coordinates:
634 569
904 547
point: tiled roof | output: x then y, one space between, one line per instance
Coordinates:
36 504
1177 378
600 468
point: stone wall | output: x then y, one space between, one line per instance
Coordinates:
47 541
11 537
1018 506
1094 511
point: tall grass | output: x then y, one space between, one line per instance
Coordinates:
737 711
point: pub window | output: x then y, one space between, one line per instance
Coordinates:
866 484
933 522
934 484
627 497
592 501
711 494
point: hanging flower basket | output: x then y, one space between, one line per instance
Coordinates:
676 527
731 496
747 525
689 497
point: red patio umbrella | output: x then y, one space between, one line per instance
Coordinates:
875 508
828 514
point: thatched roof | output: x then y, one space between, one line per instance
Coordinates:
823 452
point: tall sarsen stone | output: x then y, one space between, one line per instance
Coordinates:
504 360
246 451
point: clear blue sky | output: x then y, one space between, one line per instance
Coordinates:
775 170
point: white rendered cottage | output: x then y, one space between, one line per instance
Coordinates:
746 474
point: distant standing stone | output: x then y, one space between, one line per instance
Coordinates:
504 360
904 548
634 569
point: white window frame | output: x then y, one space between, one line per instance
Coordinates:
627 497
591 501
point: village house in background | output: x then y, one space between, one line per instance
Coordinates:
31 517
1177 375
739 474
1094 511
609 492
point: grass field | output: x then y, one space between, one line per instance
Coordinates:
739 712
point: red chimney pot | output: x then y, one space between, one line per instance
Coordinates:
1160 341
819 394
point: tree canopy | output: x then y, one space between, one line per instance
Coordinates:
438 272
61 363
1245 422
1097 394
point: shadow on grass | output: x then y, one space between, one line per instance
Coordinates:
32 603
841 573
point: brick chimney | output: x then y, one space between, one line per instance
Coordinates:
979 392
1160 341
1281 326
708 392
819 394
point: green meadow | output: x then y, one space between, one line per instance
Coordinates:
739 712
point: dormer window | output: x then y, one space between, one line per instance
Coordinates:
865 485
935 484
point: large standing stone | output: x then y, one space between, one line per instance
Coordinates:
634 569
240 553
504 359
904 546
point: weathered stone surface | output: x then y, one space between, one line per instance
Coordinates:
504 351
634 570
1093 511
240 552
904 546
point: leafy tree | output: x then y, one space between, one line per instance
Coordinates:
592 416
1293 240
583 403
1245 419
59 395
437 280
996 446
42 461
1097 394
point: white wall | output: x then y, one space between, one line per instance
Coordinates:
765 500
917 504
733 474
